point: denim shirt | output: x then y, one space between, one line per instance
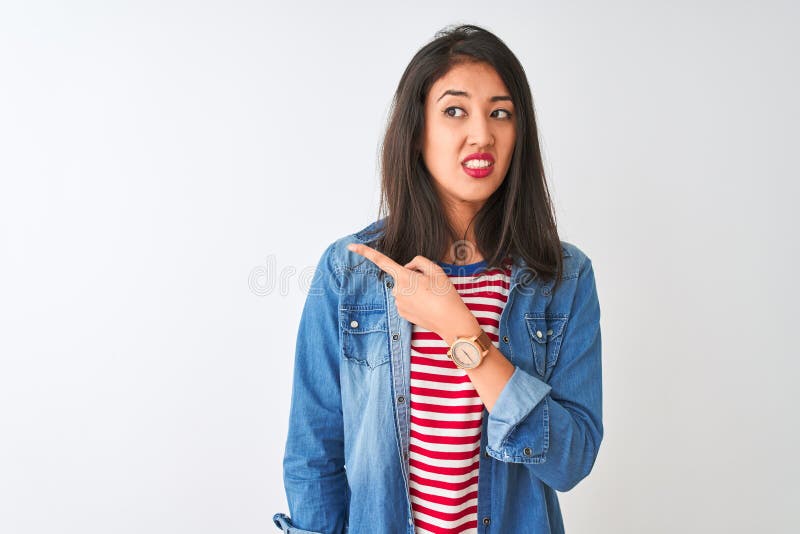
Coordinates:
346 466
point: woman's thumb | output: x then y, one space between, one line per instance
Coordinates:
423 265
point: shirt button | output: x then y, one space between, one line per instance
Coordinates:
401 399
539 333
549 332
505 339
395 336
486 520
526 451
353 324
389 284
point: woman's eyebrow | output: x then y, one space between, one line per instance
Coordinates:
456 92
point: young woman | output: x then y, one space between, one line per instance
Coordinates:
447 371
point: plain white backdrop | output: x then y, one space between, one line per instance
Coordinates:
170 173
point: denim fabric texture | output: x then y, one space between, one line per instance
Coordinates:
345 467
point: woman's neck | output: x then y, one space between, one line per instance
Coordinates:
464 250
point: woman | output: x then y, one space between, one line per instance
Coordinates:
448 363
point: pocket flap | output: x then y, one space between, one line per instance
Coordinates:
361 319
544 328
545 332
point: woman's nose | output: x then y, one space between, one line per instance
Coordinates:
480 133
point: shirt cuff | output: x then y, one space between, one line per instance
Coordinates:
520 396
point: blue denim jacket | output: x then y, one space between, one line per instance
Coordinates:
346 467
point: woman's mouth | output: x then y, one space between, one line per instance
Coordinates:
478 168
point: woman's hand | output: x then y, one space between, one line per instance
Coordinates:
424 294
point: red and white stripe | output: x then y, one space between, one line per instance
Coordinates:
446 412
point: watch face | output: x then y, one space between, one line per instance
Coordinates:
466 354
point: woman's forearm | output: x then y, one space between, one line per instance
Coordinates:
491 376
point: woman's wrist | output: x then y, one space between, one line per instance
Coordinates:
464 326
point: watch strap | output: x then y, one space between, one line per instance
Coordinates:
483 340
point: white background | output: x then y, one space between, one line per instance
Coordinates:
171 172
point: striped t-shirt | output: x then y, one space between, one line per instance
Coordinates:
446 411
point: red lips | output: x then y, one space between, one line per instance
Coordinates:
479 172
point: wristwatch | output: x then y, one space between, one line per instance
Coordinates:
469 352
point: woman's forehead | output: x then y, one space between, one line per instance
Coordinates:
469 80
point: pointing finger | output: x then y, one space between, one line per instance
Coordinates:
384 262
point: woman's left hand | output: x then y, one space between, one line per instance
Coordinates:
424 294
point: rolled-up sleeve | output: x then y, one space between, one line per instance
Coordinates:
555 427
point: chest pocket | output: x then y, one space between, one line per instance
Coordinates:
365 334
546 332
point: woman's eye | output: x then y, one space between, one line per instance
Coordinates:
452 108
454 111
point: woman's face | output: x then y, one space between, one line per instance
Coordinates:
468 114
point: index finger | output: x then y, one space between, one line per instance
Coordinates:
384 262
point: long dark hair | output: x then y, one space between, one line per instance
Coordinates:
517 220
